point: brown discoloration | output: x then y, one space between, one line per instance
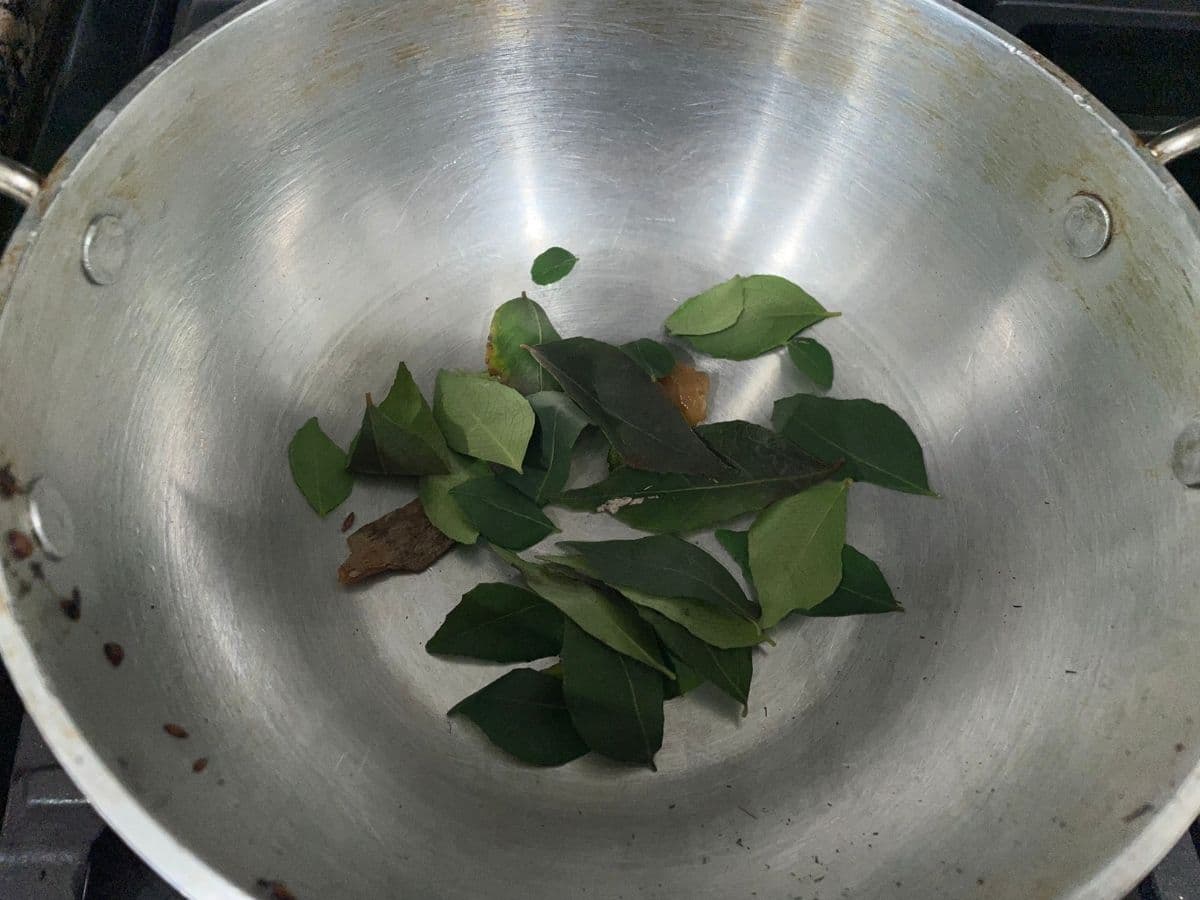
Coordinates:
276 890
72 606
406 53
20 545
402 541
200 765
347 523
114 653
175 731
52 182
1137 813
687 388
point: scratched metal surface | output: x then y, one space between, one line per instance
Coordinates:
319 190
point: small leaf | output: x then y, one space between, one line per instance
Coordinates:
502 623
713 310
877 445
483 418
666 566
730 670
404 540
548 460
774 309
714 625
442 509
863 590
652 356
319 468
515 325
524 714
552 265
737 545
813 360
602 614
616 703
686 679
762 468
399 436
613 391
796 550
501 513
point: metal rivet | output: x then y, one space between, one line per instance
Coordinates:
1087 226
1185 458
51 520
105 249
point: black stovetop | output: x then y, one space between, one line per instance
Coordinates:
1140 57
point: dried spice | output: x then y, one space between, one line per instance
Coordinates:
347 523
404 540
114 653
175 731
200 765
20 545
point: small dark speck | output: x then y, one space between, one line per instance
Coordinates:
1179 748
72 606
200 765
957 870
1071 672
114 653
1137 813
23 588
36 570
20 545
921 636
276 890
819 879
672 806
220 782
175 731
747 812
347 523
42 875
9 486
1017 606
979 881
817 860
704 860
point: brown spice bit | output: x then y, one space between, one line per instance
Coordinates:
200 765
175 731
347 523
9 486
402 541
276 890
687 388
20 545
72 606
114 653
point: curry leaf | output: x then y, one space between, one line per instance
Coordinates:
616 703
730 670
607 617
400 435
501 513
666 566
442 509
515 325
713 310
524 714
762 468
877 445
652 356
643 426
813 360
773 310
796 550
712 624
483 418
548 459
502 623
552 265
737 545
863 590
319 468
686 680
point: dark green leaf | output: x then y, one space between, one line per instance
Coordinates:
763 467
863 590
713 310
399 436
501 513
642 425
502 623
524 714
714 624
601 613
548 459
796 550
552 265
483 418
773 310
686 679
729 670
665 566
319 468
515 325
813 360
877 445
737 545
652 356
442 509
616 703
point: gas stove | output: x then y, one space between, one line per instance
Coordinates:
62 60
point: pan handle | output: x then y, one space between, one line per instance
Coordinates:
1179 141
18 182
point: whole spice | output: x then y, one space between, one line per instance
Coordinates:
175 731
20 545
114 653
200 765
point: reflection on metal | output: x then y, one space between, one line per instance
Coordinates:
1179 141
105 249
51 520
1087 226
18 182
